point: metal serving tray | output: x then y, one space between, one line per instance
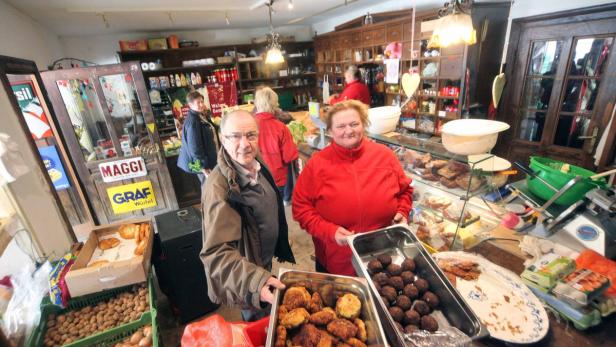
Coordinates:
338 284
399 242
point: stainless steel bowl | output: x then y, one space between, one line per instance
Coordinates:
337 284
399 242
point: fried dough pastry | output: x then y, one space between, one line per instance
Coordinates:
315 304
295 297
323 317
355 342
109 243
348 306
308 336
281 337
128 231
342 328
295 318
362 334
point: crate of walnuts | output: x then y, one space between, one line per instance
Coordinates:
90 319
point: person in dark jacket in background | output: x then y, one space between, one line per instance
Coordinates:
200 142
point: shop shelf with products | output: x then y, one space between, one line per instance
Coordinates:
450 211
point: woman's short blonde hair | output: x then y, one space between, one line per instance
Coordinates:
266 100
360 107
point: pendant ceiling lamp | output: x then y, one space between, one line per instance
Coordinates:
455 25
274 54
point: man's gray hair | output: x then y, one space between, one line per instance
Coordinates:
227 116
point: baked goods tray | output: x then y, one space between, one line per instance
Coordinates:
329 286
399 242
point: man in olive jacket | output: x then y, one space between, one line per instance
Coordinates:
244 224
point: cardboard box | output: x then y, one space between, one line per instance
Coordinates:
546 271
82 280
160 43
137 45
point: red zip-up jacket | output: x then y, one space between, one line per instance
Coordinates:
353 91
359 189
276 146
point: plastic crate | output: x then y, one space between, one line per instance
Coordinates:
38 334
118 334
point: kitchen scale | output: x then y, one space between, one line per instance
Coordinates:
590 223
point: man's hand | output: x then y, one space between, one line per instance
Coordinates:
206 172
341 236
267 292
399 218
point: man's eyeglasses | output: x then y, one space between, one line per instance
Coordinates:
237 137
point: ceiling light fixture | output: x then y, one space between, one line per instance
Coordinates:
455 25
274 54
290 4
227 19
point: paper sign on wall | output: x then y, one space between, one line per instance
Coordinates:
32 110
393 67
131 197
118 170
54 167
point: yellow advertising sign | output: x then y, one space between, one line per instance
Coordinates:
131 197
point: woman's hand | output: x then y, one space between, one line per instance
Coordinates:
341 236
399 218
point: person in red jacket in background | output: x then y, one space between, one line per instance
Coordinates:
275 140
354 89
354 185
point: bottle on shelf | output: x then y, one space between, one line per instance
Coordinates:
193 78
198 78
178 81
171 81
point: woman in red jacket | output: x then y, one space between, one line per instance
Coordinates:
275 140
354 89
352 186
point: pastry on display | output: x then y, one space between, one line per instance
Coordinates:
313 322
128 231
108 243
468 181
465 269
406 305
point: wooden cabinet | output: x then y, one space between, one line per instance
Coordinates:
394 33
356 38
380 36
367 38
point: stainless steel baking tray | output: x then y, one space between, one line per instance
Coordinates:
334 284
399 242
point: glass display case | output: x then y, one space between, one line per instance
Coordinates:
453 195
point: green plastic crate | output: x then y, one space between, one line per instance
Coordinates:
38 335
110 337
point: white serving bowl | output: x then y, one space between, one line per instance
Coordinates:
383 119
471 136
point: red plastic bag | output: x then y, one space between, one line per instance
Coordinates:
215 331
594 261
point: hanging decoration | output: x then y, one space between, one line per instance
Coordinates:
455 25
274 53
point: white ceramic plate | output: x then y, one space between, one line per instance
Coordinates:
492 163
509 310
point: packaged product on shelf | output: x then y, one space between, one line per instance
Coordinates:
580 287
546 271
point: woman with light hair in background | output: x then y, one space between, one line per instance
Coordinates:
354 88
275 140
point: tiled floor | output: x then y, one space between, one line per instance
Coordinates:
303 249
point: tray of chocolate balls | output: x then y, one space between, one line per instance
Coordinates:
410 292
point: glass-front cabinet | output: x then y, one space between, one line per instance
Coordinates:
456 199
106 118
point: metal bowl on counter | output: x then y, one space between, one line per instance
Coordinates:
399 242
330 286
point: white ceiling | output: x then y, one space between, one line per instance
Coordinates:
85 17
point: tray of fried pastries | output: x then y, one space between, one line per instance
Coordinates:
411 293
317 309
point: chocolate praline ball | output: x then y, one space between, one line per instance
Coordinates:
389 292
429 323
381 278
408 265
394 269
407 277
403 302
396 282
422 285
409 329
396 313
412 317
384 259
421 307
375 266
431 299
410 290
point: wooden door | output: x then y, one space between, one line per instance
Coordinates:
106 117
560 86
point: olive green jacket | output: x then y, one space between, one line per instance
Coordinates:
231 252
